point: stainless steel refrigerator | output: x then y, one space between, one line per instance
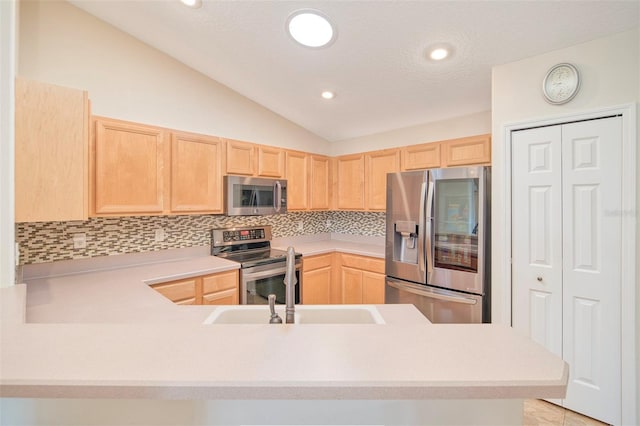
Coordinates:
438 243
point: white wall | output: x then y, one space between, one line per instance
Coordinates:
468 125
127 79
8 18
610 74
609 71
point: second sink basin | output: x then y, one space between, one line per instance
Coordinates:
305 314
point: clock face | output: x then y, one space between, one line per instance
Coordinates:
561 84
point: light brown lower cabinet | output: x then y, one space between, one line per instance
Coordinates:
220 289
182 292
342 278
316 279
212 289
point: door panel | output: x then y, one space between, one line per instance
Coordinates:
592 175
537 236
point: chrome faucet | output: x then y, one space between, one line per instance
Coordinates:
275 318
290 282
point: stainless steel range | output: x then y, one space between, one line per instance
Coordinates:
262 269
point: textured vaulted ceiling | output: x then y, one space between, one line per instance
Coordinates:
377 65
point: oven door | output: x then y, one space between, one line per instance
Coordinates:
258 282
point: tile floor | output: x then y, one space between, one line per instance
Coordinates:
539 413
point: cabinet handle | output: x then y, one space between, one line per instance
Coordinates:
539 279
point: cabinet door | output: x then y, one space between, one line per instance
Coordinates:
196 173
297 184
350 182
465 151
319 183
423 156
51 146
317 279
316 286
351 285
378 164
270 162
129 168
372 288
181 291
240 158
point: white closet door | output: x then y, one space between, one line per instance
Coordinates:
537 235
592 234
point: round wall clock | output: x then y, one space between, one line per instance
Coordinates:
561 84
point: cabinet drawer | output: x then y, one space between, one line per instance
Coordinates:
178 290
219 282
363 262
226 297
316 262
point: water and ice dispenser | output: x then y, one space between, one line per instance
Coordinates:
405 243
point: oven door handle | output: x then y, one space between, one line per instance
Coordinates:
265 274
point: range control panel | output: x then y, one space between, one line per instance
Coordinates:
243 235
235 236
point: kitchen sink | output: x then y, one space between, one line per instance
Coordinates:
305 314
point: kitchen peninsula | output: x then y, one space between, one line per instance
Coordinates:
105 341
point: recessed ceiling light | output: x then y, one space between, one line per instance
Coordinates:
439 54
328 94
192 3
310 28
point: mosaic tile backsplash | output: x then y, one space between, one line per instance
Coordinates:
50 241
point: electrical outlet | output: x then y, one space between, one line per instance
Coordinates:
300 226
79 241
160 235
328 224
17 254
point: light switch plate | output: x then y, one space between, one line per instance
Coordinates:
160 235
79 241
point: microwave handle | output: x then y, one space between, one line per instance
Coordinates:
277 195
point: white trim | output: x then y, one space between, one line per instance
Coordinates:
629 258
8 22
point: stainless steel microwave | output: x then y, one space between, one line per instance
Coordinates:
251 196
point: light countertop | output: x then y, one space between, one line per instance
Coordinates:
107 334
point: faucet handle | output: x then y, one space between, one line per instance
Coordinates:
275 318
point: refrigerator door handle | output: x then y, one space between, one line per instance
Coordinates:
431 294
429 231
421 231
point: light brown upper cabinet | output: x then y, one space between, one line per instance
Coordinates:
308 181
129 164
297 166
270 161
51 152
349 179
466 151
241 158
319 182
245 158
196 173
378 164
423 156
